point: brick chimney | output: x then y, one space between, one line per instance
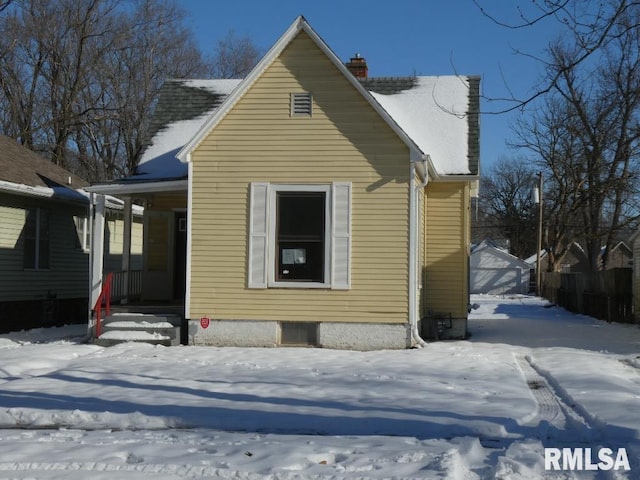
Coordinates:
358 66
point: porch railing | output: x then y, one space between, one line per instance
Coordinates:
104 299
134 288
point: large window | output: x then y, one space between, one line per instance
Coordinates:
300 236
36 239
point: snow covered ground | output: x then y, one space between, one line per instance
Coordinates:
532 376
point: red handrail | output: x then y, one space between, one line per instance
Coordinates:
105 296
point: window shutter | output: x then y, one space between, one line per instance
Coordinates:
258 234
341 236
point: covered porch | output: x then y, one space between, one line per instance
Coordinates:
133 296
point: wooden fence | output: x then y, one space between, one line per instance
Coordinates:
606 295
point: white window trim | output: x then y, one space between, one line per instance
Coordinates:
37 249
84 232
273 190
261 242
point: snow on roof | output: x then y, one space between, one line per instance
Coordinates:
56 192
434 115
159 160
64 194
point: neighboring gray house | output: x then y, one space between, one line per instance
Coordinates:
44 240
620 256
495 271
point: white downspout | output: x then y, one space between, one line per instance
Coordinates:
414 255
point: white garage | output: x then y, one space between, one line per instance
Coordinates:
495 271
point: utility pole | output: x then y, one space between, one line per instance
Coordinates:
539 201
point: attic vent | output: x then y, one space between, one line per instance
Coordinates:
301 104
298 333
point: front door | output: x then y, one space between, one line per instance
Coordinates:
180 255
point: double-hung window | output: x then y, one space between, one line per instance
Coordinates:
84 232
300 236
36 239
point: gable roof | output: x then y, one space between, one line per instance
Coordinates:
21 165
188 110
397 110
489 247
299 25
24 172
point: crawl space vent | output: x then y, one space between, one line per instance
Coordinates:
299 333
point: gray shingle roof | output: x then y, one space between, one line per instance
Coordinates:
388 85
178 100
182 100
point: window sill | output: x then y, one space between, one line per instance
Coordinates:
299 285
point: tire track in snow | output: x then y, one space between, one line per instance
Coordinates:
548 405
556 412
179 471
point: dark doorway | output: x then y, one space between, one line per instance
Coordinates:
180 256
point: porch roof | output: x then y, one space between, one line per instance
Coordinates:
127 187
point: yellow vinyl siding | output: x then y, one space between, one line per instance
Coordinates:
422 253
114 242
447 244
259 141
159 230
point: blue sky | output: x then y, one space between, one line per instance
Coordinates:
401 37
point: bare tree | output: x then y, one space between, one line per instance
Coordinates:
506 207
592 27
154 45
586 136
234 57
78 78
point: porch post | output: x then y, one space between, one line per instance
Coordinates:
126 246
97 249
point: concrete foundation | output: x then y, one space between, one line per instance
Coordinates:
337 335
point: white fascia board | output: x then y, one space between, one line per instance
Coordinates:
26 190
300 24
135 188
69 195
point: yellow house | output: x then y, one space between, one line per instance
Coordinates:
308 204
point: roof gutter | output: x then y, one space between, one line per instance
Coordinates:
139 187
450 177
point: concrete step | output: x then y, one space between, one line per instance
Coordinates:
155 329
144 318
114 337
